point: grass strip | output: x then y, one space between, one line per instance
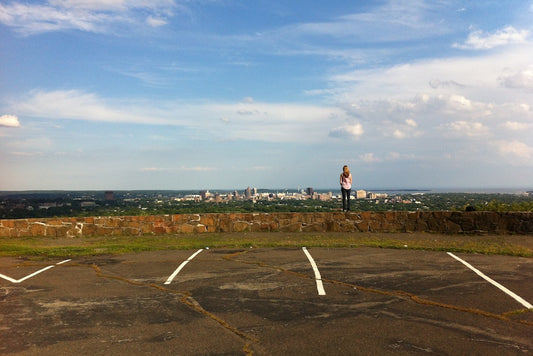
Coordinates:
510 245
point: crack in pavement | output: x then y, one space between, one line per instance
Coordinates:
396 293
188 300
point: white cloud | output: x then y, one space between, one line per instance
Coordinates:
399 134
432 101
393 21
411 122
519 79
517 126
271 122
369 158
354 131
465 128
155 22
509 67
9 121
33 19
399 130
85 15
507 35
198 169
27 154
516 149
90 4
77 105
396 156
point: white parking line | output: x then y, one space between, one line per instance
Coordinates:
493 282
173 275
318 278
12 280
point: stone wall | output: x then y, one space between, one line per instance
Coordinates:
434 222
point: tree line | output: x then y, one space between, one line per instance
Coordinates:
41 207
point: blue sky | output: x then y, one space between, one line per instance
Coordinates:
225 94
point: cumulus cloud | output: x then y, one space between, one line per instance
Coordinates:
506 68
516 149
347 131
400 130
9 121
411 122
399 134
466 128
517 126
480 40
406 103
520 79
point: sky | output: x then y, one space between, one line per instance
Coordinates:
226 94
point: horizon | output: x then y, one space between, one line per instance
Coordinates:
487 190
196 94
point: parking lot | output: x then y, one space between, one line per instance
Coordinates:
268 301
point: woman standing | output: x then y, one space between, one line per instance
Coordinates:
346 188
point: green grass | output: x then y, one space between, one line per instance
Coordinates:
39 247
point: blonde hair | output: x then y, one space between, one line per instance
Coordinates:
346 171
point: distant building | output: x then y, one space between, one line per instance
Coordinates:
109 195
42 206
322 197
360 194
248 192
309 191
374 196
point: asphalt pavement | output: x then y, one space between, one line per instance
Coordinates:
268 301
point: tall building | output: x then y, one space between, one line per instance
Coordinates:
248 192
309 191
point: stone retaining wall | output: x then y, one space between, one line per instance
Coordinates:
434 222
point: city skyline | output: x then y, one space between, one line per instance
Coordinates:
170 95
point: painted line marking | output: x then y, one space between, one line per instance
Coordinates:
318 278
493 282
12 280
173 275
